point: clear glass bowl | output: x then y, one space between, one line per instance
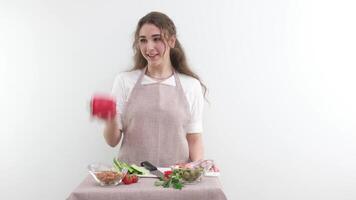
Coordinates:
190 175
106 175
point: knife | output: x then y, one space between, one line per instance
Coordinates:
153 169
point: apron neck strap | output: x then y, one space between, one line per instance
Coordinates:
177 80
175 74
142 75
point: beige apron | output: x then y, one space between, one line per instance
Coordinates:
153 124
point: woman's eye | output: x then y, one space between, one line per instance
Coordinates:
143 40
156 39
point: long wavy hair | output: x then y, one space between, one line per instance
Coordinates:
177 55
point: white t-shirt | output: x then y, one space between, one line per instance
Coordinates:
125 81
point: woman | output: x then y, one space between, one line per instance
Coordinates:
160 101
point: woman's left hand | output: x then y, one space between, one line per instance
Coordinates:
214 168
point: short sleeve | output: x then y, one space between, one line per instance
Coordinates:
119 93
196 100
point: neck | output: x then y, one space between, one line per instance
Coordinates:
159 72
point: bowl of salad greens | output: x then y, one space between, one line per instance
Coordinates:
189 174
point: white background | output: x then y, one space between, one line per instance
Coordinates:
281 78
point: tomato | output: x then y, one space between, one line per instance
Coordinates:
127 179
134 178
167 174
130 178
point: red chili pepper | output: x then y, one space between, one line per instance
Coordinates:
103 107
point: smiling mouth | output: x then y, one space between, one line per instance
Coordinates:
152 56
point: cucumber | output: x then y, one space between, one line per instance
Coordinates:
140 170
117 164
128 167
121 165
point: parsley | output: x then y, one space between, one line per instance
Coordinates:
173 179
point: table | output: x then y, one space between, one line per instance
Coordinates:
208 189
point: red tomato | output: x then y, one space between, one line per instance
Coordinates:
167 174
127 179
134 178
130 178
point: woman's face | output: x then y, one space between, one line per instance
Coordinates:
153 47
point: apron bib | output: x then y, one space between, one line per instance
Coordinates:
153 124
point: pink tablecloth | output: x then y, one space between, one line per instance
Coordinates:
208 189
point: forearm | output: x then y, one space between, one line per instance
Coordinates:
196 149
112 133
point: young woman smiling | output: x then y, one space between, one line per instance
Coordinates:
159 102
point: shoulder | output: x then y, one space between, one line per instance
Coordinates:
124 81
127 77
190 84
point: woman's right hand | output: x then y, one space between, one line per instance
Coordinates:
108 121
112 131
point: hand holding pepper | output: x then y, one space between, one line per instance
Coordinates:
103 107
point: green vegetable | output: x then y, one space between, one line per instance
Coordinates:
174 180
132 169
139 170
117 165
128 167
191 175
159 183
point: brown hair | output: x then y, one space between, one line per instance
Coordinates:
168 29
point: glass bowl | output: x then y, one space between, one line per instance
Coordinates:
190 175
106 175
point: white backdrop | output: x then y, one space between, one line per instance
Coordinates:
281 78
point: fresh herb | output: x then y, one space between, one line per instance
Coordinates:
171 179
